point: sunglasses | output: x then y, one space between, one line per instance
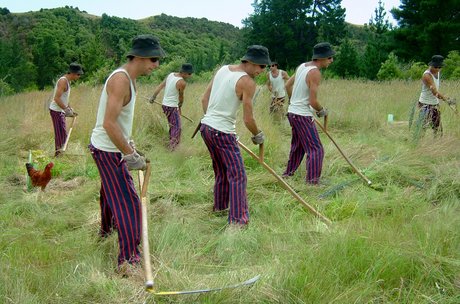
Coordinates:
274 65
437 67
262 66
154 59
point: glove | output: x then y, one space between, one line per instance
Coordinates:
323 112
134 161
259 138
152 99
451 101
69 112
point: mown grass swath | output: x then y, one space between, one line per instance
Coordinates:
396 245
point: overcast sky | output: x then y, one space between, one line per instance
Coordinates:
230 11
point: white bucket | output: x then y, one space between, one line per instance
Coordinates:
390 118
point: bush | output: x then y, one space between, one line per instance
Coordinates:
390 69
451 69
415 71
5 89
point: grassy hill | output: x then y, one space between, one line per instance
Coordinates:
397 243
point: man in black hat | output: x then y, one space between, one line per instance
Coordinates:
428 101
59 106
231 86
276 81
173 99
302 89
115 154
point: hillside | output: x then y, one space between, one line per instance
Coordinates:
35 47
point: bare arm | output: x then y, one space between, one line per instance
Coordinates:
180 86
428 81
61 88
269 83
119 95
206 96
245 88
313 80
289 84
285 75
158 89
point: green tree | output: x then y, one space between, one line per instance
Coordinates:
390 69
346 62
426 27
378 42
290 28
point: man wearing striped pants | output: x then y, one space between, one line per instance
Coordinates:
115 155
173 100
231 86
302 89
59 106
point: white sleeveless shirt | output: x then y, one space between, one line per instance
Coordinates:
426 96
64 97
171 96
300 103
99 137
223 102
277 84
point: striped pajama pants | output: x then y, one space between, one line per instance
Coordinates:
120 204
174 122
305 140
230 175
60 131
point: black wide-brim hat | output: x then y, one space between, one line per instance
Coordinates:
186 68
75 68
436 61
146 46
322 50
257 54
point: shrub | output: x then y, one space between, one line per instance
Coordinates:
390 69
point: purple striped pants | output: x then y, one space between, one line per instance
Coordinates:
305 140
230 175
174 122
60 130
120 204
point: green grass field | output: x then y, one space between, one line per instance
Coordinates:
395 243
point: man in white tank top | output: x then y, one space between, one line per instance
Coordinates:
115 154
429 96
276 81
173 99
302 89
230 87
59 106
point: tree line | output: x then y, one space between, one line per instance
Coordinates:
36 47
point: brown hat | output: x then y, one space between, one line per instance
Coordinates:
146 46
322 50
75 68
257 54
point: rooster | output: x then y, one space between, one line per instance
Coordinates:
39 178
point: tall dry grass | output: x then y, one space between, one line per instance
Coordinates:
397 243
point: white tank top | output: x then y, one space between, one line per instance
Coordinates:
64 97
223 102
171 96
277 84
426 96
99 137
300 103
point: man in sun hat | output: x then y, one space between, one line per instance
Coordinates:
276 81
114 152
231 86
302 88
428 101
59 106
173 99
